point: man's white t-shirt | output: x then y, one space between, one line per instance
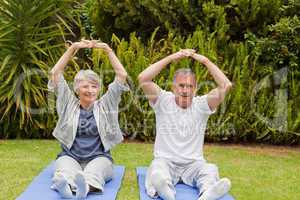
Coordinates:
180 132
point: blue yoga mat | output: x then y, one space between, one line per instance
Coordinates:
40 187
183 192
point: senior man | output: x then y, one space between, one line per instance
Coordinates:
181 119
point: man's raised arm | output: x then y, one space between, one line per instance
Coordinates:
146 77
216 96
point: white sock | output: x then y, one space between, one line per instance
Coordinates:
216 191
61 185
82 187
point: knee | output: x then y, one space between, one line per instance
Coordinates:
95 179
59 174
212 170
65 172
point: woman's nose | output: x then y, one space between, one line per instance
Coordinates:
90 89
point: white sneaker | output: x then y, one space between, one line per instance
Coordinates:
219 189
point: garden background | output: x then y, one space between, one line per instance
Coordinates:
255 42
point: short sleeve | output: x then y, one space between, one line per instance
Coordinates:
202 106
160 99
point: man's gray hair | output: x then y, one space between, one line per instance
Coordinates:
184 71
85 75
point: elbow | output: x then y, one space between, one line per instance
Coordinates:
52 72
55 72
228 86
123 75
141 79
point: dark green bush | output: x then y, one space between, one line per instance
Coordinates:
280 50
143 17
232 19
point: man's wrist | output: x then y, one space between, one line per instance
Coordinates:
169 58
72 48
204 61
108 50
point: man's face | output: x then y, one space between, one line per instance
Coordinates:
184 88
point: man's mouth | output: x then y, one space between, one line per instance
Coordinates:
184 95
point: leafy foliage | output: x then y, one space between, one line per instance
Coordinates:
31 36
256 44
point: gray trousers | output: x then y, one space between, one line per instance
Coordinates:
96 172
163 175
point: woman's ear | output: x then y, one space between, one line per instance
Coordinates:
77 91
99 92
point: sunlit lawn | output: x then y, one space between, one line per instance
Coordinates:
257 172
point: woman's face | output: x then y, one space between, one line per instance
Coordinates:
88 92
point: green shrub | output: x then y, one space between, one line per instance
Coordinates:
231 19
31 36
250 113
253 42
280 50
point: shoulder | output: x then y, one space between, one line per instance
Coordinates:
200 99
163 99
201 103
164 95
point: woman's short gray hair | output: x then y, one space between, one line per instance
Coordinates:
85 75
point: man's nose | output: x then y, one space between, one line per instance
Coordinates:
90 89
184 88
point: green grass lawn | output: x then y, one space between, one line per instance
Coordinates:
256 172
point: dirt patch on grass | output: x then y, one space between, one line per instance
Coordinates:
261 149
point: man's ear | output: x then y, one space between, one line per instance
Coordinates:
173 87
195 89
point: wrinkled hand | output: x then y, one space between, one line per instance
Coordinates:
83 44
103 46
188 52
183 53
90 44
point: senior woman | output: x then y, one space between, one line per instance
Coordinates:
87 127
